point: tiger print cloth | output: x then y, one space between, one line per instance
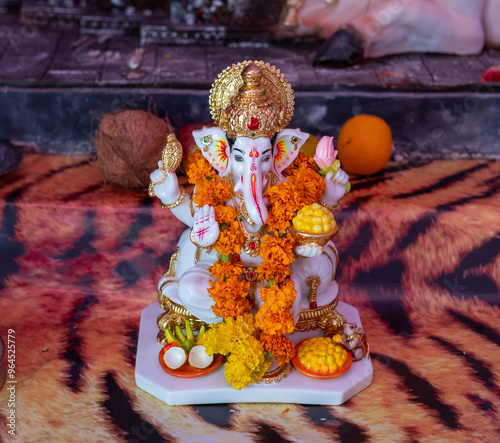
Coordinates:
419 256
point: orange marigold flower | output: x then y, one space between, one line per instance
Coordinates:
204 194
280 346
221 270
309 185
230 240
283 194
223 191
277 250
198 169
278 299
274 323
278 222
225 214
230 296
232 308
302 161
273 271
285 203
212 192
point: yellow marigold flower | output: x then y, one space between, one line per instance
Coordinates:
222 338
246 364
230 240
280 346
225 214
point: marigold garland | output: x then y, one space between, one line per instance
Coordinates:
230 240
229 295
246 362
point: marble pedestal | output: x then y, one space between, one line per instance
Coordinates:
213 388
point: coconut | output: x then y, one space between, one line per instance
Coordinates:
175 357
199 358
129 145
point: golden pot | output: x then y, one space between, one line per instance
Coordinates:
307 238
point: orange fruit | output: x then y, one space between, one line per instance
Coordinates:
364 144
309 147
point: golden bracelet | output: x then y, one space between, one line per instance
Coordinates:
151 193
177 202
328 205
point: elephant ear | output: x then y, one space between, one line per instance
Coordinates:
214 147
286 148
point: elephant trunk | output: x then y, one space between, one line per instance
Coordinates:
252 191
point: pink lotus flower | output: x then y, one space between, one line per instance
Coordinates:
325 153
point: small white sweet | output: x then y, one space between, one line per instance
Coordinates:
198 357
175 357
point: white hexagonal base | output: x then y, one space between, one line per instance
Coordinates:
213 388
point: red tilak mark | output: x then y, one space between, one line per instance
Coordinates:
200 233
254 124
254 153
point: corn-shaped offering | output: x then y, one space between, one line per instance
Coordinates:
314 219
322 355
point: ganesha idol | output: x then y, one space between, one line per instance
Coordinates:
242 253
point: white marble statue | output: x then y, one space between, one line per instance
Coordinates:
253 162
399 26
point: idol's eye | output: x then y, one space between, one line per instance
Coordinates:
266 158
238 158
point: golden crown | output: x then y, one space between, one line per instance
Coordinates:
251 99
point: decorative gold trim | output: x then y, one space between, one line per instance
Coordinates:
161 297
328 205
250 273
324 317
174 315
313 282
171 155
271 180
171 265
191 208
251 237
305 238
251 89
177 202
241 208
206 142
151 193
276 375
